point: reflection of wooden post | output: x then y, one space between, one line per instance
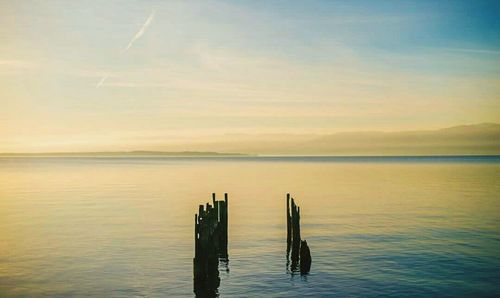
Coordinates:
305 258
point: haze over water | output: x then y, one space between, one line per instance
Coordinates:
123 227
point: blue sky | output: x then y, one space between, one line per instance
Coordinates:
73 76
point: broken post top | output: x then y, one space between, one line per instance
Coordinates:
219 207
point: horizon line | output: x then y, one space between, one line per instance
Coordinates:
147 153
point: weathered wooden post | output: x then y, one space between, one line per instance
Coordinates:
295 235
210 244
288 221
224 227
300 250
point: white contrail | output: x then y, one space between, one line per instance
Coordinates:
102 81
141 31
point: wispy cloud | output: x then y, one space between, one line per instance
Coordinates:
141 31
104 78
14 63
474 51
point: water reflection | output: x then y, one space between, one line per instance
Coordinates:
107 227
207 285
224 264
305 258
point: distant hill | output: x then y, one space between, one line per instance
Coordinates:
479 139
470 139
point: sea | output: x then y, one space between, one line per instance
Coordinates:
376 226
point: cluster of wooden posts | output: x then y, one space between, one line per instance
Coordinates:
210 238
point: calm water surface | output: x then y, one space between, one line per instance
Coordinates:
123 227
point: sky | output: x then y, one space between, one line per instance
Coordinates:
100 75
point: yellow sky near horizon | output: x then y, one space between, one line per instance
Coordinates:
104 76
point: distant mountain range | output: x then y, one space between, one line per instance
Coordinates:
479 139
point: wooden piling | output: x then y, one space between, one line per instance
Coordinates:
223 205
295 235
294 239
288 221
210 244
